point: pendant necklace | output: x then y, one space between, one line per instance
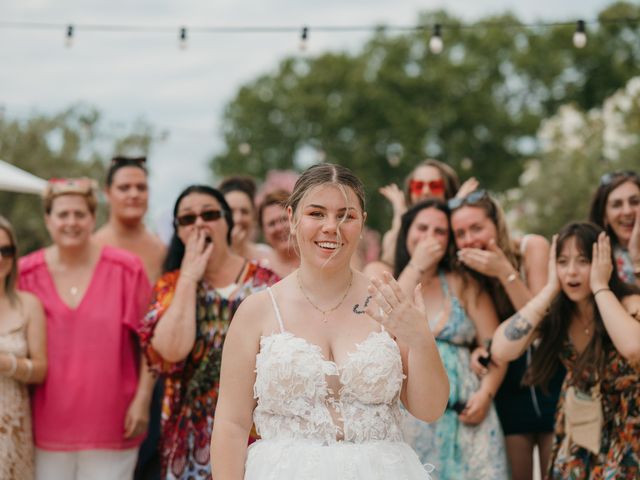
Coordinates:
73 291
330 310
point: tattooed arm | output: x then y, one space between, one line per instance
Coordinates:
516 333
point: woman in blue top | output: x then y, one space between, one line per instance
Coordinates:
467 442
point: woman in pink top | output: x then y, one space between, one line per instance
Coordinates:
91 412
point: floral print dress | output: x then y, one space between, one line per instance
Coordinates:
619 456
191 386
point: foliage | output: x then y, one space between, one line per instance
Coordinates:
477 106
72 143
578 147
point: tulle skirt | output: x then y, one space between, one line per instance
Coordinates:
294 459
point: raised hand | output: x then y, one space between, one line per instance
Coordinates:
491 262
427 254
470 185
553 282
403 317
395 196
601 265
196 255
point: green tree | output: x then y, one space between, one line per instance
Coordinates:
69 144
578 148
477 106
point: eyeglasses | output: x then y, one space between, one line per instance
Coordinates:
607 178
436 187
206 216
471 199
8 251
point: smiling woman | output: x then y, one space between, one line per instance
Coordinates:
91 412
320 378
616 208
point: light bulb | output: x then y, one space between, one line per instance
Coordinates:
435 42
580 36
304 39
68 39
183 38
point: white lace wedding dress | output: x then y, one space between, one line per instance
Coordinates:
308 433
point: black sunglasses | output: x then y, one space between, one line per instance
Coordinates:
471 199
8 251
607 178
206 216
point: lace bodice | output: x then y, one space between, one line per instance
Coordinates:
295 401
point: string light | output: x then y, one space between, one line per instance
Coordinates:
68 39
182 43
580 35
435 42
304 39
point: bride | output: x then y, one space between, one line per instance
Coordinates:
320 361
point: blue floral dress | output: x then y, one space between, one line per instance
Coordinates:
459 451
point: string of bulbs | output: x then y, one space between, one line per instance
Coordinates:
436 41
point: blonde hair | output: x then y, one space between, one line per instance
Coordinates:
11 280
57 187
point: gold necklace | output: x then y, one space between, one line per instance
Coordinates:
585 327
330 310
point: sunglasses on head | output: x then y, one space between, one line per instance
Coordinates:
191 218
436 187
128 160
607 178
82 186
8 251
471 199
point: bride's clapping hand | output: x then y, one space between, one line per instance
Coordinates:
402 316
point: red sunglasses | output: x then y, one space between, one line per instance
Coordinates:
436 187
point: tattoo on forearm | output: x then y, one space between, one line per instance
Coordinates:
517 327
359 311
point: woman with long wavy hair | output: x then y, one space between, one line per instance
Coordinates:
587 319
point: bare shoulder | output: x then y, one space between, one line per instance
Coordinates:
29 300
536 245
103 236
252 314
31 306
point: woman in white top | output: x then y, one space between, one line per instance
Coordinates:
320 361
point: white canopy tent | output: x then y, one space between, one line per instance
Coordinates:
13 179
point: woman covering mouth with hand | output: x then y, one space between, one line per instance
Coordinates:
195 299
616 208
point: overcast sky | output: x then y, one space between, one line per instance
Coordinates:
132 75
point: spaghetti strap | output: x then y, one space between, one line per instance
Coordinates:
276 309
